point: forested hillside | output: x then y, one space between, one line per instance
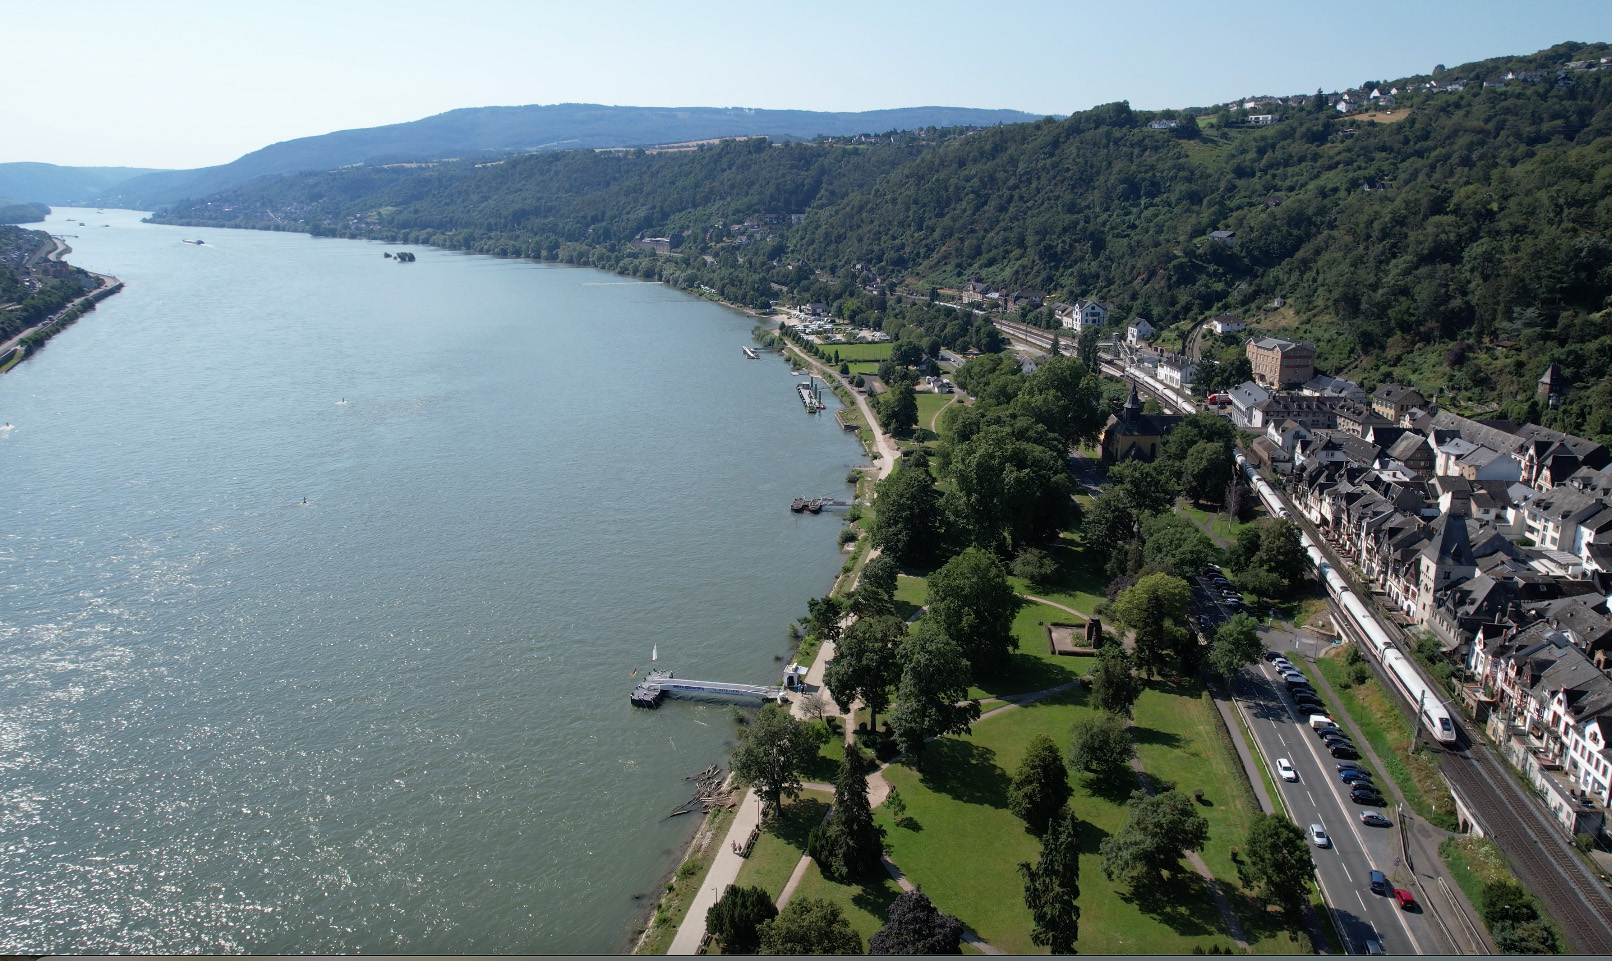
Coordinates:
1460 242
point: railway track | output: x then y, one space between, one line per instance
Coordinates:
1539 854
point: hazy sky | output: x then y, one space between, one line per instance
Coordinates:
179 84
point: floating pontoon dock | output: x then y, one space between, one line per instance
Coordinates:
659 684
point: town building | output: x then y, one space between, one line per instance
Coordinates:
1281 363
1393 400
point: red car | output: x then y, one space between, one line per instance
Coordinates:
1404 899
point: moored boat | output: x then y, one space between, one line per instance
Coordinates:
798 505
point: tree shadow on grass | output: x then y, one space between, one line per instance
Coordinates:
966 772
1025 673
1181 902
1148 735
1177 686
795 822
1115 786
1260 919
874 895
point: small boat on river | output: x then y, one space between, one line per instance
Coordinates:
798 505
814 506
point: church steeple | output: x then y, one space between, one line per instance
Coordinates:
1133 407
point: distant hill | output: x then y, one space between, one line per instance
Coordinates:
50 184
479 131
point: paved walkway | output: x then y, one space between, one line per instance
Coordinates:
886 446
1062 607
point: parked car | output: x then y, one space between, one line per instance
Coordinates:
1347 765
1318 834
1353 776
1404 899
1379 880
1362 795
1286 770
1375 820
1272 656
1308 704
1319 721
1346 753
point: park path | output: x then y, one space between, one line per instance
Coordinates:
884 444
1062 607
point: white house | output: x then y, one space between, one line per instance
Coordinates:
1082 314
1178 371
1139 331
1226 324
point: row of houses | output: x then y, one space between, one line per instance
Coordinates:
1497 539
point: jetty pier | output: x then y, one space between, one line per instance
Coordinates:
659 685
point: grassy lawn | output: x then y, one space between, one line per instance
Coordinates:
1181 739
963 846
912 593
864 904
929 405
859 352
1079 582
783 843
680 890
1389 731
1033 667
1217 524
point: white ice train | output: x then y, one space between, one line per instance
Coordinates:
1434 715
1181 402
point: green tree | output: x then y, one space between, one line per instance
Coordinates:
1114 684
823 617
849 845
1155 608
810 926
1262 582
1014 486
1159 830
913 926
972 603
1194 429
1150 487
1175 545
772 752
1052 886
932 698
1036 566
906 526
1111 519
1040 787
898 408
1278 857
1206 471
1281 551
865 665
1236 644
1064 396
1100 745
735 918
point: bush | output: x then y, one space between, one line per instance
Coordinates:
1035 565
847 535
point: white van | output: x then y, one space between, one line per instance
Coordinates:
1319 721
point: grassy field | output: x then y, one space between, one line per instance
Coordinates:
1389 731
963 846
680 890
859 352
864 904
1219 525
912 593
929 405
1032 667
1080 582
1181 740
783 843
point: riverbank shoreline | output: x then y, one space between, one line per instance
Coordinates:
27 343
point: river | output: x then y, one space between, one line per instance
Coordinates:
324 580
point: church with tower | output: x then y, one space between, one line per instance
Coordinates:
1134 435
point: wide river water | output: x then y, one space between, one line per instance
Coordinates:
324 577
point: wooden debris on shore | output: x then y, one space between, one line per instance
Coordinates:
708 792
